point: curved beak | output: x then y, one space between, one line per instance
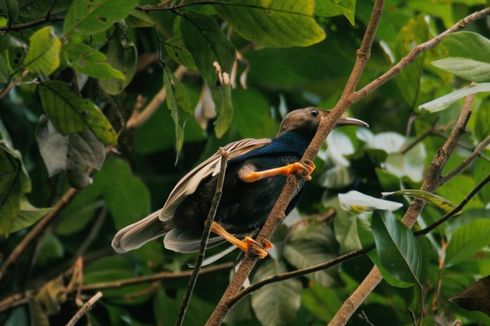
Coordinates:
351 122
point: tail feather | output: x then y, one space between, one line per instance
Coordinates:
137 234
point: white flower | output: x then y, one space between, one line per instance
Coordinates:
358 202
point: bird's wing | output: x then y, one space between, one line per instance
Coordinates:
210 167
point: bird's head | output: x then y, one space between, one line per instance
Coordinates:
308 119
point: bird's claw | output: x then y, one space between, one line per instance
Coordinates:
305 169
257 248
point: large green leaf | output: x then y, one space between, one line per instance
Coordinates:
467 240
465 68
179 104
208 46
90 17
71 113
123 56
311 245
44 52
91 62
276 304
273 23
28 215
469 45
397 249
126 195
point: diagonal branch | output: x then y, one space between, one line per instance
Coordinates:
277 215
429 184
84 309
204 239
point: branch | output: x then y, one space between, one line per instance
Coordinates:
204 239
277 215
84 309
18 299
34 23
140 117
430 183
417 140
460 168
36 231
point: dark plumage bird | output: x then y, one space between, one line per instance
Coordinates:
255 176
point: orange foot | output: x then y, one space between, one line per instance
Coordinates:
303 169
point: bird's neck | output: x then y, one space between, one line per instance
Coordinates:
296 140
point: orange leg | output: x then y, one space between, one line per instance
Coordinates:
304 169
244 244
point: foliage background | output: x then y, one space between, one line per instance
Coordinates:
127 53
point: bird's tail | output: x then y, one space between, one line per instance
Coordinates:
137 234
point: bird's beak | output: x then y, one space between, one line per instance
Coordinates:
351 122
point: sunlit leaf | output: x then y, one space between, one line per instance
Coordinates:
71 113
44 52
445 101
274 23
330 8
88 60
95 16
398 251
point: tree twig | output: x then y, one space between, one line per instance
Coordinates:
84 309
94 231
17 299
429 184
277 215
467 161
204 239
34 23
36 231
417 140
137 118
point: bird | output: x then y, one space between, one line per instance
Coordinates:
255 175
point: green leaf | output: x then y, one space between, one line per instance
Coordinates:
126 195
467 240
320 301
445 101
311 245
89 61
179 105
71 113
28 215
482 120
123 56
469 45
431 198
224 107
176 50
276 304
138 19
331 8
43 56
208 46
274 23
465 68
90 17
50 250
346 231
398 251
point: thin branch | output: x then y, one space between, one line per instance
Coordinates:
277 215
204 239
456 209
34 23
87 306
94 231
36 231
429 184
467 161
140 117
417 140
17 299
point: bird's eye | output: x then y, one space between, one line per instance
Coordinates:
314 113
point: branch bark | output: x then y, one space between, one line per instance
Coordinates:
429 184
84 309
36 231
204 239
326 125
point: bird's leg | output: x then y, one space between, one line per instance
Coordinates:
304 169
244 244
